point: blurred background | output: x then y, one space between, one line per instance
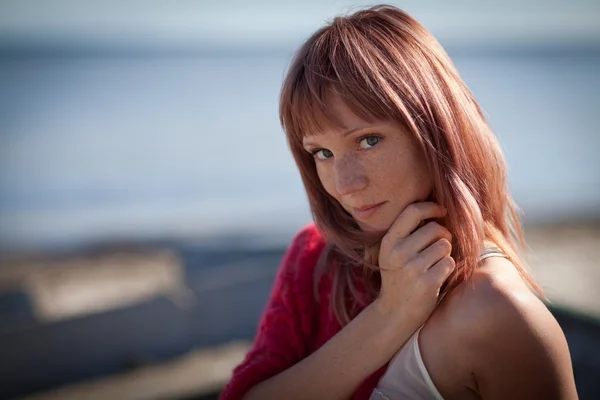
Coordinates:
147 193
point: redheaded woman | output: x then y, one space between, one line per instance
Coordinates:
410 284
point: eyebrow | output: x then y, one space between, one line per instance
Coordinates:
349 132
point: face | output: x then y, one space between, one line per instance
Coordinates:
373 169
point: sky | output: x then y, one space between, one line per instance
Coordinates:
244 23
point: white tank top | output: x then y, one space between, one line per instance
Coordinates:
406 377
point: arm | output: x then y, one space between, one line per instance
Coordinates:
336 369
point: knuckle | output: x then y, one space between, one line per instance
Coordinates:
445 245
434 228
412 265
398 253
410 273
449 262
443 268
445 231
448 235
412 260
386 241
413 210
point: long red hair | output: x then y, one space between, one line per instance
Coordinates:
387 66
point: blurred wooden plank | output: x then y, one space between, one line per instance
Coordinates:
66 287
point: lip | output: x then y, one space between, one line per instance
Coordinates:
365 212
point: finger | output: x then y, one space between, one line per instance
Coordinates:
410 217
433 253
441 270
425 236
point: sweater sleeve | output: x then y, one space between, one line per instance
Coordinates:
287 321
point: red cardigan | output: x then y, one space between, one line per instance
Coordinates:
293 324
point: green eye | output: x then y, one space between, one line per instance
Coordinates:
369 141
323 154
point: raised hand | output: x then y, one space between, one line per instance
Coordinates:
415 261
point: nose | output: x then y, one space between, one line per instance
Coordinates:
350 176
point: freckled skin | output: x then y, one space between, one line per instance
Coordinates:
393 171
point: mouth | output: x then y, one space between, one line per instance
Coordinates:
367 211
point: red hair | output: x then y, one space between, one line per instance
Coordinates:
386 66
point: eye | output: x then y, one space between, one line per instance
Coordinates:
322 154
369 141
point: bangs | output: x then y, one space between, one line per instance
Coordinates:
334 63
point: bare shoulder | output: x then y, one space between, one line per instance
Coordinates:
516 347
496 298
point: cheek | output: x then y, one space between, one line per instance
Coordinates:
408 179
327 180
424 178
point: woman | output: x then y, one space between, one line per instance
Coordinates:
411 284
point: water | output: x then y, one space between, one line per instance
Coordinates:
115 146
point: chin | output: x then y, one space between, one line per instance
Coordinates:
374 228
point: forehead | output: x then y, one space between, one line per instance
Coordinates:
340 119
347 118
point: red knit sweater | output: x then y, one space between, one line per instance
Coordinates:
293 324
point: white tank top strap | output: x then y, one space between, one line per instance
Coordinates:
433 390
407 377
491 252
